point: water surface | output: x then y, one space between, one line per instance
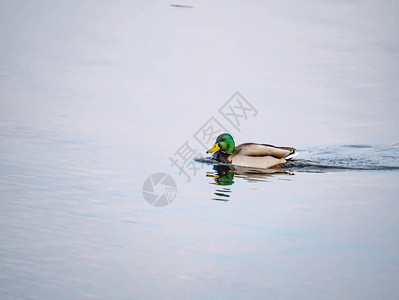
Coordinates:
95 97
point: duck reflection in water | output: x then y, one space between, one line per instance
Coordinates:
223 175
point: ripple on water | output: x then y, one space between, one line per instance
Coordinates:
340 158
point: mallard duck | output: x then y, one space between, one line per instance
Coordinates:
249 154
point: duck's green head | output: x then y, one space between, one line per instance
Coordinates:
224 142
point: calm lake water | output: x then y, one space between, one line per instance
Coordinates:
97 97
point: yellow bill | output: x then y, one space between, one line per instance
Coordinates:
214 148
